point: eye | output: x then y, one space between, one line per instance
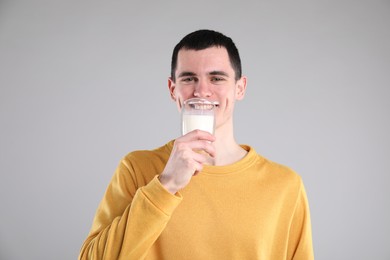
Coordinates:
188 79
217 79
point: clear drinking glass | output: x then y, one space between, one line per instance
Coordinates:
198 113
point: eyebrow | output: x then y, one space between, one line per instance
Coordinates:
218 72
213 73
186 74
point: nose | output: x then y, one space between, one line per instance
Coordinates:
202 89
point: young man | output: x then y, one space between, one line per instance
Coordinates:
238 206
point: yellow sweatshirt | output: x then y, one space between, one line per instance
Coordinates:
252 209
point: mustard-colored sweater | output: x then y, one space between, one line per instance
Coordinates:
252 209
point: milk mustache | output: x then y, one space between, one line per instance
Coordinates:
199 114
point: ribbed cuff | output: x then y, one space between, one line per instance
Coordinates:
161 197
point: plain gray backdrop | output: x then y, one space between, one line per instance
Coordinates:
82 83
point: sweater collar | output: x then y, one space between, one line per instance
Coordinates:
248 160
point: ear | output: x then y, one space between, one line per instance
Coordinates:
171 87
240 88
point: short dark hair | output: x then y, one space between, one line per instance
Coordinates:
203 39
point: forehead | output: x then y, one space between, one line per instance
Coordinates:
213 58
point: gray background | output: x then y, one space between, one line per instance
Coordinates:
85 82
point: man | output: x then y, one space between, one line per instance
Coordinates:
238 206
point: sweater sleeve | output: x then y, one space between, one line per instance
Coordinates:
300 236
129 219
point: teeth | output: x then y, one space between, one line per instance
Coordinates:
203 106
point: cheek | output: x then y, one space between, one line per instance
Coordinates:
181 95
184 93
228 95
221 93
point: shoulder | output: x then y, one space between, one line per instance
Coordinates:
147 158
279 173
140 166
282 170
283 179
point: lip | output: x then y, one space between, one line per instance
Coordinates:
202 100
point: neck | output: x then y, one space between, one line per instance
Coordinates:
228 151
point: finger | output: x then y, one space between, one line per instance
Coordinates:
202 146
198 135
198 167
200 158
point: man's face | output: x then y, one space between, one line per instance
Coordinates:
207 74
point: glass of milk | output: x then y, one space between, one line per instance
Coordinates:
198 113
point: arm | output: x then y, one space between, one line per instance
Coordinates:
300 239
137 206
128 220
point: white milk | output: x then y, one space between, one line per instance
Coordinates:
201 122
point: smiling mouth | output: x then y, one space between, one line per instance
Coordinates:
201 103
